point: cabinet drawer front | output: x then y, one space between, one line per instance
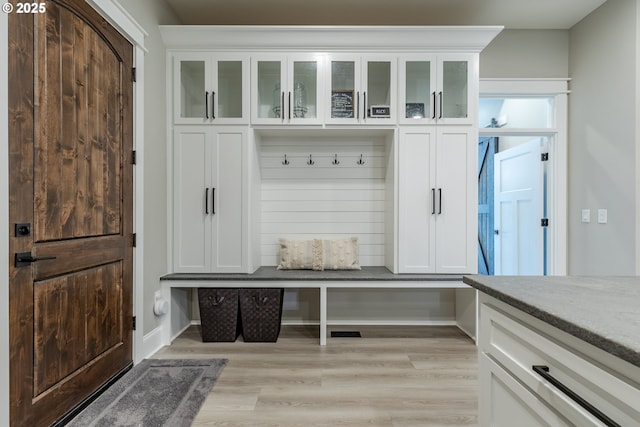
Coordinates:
503 399
517 347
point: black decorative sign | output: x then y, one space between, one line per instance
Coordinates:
414 110
342 104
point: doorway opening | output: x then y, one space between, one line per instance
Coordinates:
514 181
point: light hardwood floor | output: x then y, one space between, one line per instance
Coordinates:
392 376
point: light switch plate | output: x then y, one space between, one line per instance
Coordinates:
586 215
602 216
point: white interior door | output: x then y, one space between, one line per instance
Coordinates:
518 200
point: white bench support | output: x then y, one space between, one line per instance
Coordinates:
464 315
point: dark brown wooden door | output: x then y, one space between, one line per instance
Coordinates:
71 197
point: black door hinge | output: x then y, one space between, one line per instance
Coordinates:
134 74
544 222
133 323
134 239
134 157
544 157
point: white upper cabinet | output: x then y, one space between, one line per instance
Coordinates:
210 88
439 89
361 89
286 89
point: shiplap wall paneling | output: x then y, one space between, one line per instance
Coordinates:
328 187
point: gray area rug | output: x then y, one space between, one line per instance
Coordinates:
154 393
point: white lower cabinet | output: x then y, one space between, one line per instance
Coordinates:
437 200
210 199
567 370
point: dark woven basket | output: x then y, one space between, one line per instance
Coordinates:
219 314
261 313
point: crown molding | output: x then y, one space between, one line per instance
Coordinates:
331 38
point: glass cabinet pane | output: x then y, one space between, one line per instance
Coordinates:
418 90
454 96
192 89
305 81
342 89
378 89
229 96
269 90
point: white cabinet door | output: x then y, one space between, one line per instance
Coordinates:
361 90
439 89
417 201
287 89
457 89
209 189
227 206
191 200
210 88
456 193
436 199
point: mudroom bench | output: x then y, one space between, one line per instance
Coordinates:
270 277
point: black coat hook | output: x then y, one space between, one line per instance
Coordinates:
310 162
285 161
335 160
360 162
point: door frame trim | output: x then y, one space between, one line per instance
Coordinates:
556 88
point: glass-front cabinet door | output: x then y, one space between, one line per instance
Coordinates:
437 89
361 90
286 90
417 90
379 97
210 88
454 90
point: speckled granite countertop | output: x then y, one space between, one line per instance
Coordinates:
603 311
271 273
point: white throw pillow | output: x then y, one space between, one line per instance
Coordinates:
316 254
300 254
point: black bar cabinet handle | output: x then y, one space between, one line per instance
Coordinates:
282 107
213 105
206 104
213 200
364 106
543 371
439 201
433 201
440 97
289 105
434 105
206 201
358 107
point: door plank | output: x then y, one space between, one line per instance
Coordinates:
21 121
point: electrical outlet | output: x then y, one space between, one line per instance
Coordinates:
586 215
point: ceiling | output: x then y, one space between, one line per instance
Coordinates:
513 14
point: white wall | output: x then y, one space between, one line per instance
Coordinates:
526 54
149 14
602 140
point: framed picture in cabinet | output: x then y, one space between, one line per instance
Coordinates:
342 104
414 110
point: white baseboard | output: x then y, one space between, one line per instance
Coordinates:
389 322
151 343
466 331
